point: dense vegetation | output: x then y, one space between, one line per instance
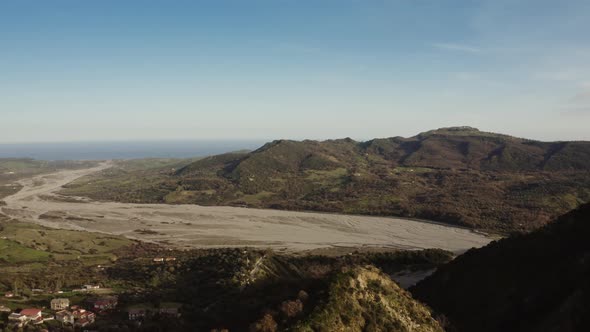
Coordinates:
538 281
237 289
455 175
244 289
534 282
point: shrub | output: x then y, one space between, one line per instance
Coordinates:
291 308
302 295
265 324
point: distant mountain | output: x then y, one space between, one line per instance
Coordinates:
458 175
445 148
534 282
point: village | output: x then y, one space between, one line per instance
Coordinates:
60 312
79 309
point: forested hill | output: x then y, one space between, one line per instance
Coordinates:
534 282
447 148
458 175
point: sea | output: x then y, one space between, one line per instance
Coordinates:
124 149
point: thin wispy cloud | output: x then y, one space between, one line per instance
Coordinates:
457 47
579 104
582 97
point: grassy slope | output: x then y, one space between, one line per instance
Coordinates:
61 244
364 299
39 257
12 252
534 282
141 180
462 176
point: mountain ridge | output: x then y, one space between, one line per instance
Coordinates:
464 140
457 175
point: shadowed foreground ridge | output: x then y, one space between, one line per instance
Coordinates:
534 282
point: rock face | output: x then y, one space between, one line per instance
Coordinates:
534 282
364 299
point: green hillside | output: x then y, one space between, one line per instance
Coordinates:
38 257
456 175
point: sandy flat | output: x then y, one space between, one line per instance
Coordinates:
221 226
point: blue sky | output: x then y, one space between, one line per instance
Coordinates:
265 69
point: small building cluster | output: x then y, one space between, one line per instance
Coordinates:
65 317
83 317
103 303
71 315
26 316
80 316
76 316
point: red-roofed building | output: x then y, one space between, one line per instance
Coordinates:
65 316
103 303
25 316
31 314
83 317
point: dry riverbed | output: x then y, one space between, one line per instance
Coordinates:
193 226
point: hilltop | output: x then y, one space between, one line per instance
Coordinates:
458 175
445 148
533 282
365 299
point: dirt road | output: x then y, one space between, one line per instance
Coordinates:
219 226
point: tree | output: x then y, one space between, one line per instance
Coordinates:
265 324
291 308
